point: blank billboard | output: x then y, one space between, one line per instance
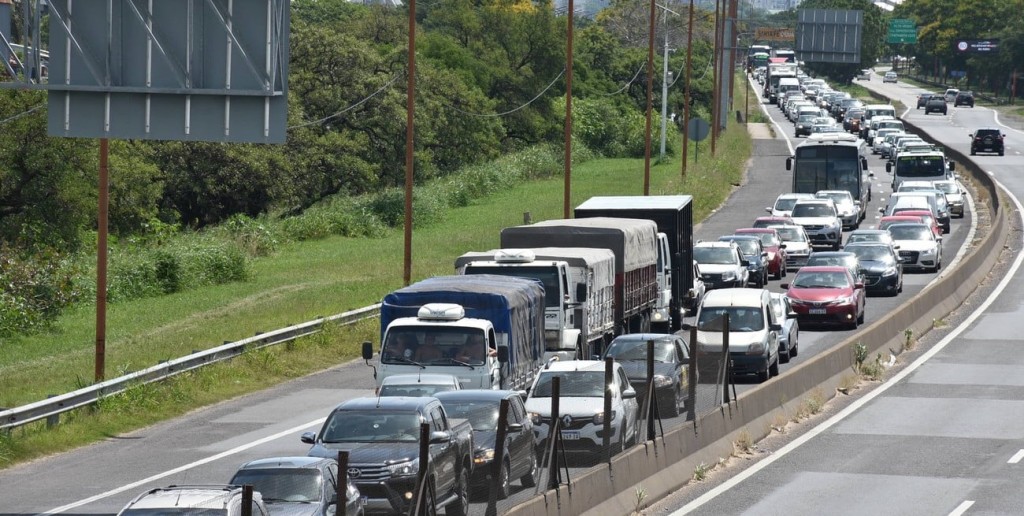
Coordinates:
829 35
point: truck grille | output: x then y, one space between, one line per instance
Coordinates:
371 472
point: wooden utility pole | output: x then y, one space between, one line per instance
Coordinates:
567 188
687 100
101 264
650 97
410 110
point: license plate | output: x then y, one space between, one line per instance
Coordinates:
570 435
817 311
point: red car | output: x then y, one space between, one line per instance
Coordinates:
827 294
772 242
915 216
763 222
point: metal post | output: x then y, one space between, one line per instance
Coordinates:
247 500
686 101
650 99
101 265
609 378
341 489
422 481
553 434
727 365
652 400
715 80
410 109
664 89
694 376
498 462
733 40
567 188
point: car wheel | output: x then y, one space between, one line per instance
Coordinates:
672 410
860 318
972 151
784 356
763 376
460 506
504 485
1000 153
773 368
530 478
794 346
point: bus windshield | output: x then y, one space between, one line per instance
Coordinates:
827 167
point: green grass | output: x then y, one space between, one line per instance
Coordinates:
299 282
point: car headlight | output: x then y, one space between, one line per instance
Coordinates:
891 271
929 252
845 300
756 349
771 256
662 381
729 276
404 469
599 418
483 456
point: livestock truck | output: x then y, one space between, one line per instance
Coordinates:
673 215
579 292
448 313
632 241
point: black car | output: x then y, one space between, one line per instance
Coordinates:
922 99
964 98
880 265
987 140
480 407
755 254
671 361
936 104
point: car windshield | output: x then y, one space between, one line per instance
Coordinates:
360 427
871 253
635 349
741 319
175 511
812 210
820 280
843 261
839 198
574 384
482 415
747 246
767 239
946 187
910 232
785 203
283 485
714 255
790 234
414 390
865 237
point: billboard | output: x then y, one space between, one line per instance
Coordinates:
829 35
978 46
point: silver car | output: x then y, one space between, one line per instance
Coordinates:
299 486
789 336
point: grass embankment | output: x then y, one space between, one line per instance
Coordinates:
299 282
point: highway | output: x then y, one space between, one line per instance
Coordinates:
206 446
944 435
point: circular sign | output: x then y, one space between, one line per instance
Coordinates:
697 129
961 46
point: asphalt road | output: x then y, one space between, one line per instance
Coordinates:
207 445
943 436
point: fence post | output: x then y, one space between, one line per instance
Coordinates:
419 507
247 500
498 462
341 489
652 400
554 433
694 378
608 379
726 361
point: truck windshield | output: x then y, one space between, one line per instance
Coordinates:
431 345
548 276
360 427
574 384
920 166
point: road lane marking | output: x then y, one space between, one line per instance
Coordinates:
1016 457
881 389
962 508
186 467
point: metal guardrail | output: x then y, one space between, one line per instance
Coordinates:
53 407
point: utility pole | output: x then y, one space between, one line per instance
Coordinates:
687 100
650 95
664 81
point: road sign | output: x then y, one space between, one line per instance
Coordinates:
829 35
981 46
698 129
774 34
902 31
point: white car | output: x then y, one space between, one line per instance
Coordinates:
798 245
879 139
206 499
418 385
848 209
581 406
955 195
783 206
889 77
919 248
721 264
820 219
789 336
753 330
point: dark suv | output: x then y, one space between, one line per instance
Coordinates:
936 104
987 140
964 98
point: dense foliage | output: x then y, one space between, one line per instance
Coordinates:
490 82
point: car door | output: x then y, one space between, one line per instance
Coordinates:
443 454
520 443
682 360
630 408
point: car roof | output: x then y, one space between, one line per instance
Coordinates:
716 243
385 403
424 378
867 231
574 365
816 200
194 496
810 269
295 462
832 254
475 395
729 238
630 337
733 297
740 231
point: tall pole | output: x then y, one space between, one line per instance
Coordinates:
567 188
716 80
101 265
686 101
730 72
664 89
410 109
650 98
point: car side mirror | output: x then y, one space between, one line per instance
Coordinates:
440 437
858 284
784 286
768 209
952 165
308 437
687 326
629 393
888 166
775 327
791 314
515 427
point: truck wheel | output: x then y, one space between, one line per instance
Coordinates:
460 506
530 478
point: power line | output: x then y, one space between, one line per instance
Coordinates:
350 108
509 112
623 88
19 115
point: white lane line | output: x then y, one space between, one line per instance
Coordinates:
1016 457
962 508
881 389
769 115
186 467
995 115
968 241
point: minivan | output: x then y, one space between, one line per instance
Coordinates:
753 330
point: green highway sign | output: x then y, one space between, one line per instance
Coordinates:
902 31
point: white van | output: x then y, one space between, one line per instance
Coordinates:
753 330
787 84
950 95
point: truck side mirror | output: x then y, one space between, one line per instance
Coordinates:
863 163
503 354
581 292
888 166
367 350
789 163
952 165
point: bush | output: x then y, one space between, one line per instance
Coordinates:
37 287
253 236
219 264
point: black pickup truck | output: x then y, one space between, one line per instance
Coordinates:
382 438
